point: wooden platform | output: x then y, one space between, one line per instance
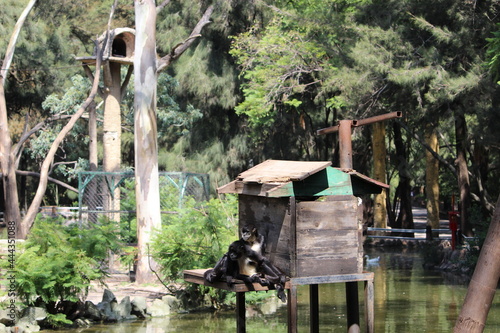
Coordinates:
351 283
196 276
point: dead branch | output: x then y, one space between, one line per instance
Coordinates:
180 48
53 180
161 6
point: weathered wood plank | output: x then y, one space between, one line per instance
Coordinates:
281 171
196 276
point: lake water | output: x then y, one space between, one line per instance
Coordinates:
407 299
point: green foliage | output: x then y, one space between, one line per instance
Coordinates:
196 236
493 52
274 71
57 320
58 262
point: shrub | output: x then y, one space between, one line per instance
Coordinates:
196 237
58 262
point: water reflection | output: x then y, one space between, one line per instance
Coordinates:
407 299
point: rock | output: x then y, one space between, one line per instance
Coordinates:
139 307
122 309
108 296
24 326
82 323
33 315
92 312
107 314
8 316
159 308
3 328
164 306
172 302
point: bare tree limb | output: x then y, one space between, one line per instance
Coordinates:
7 159
12 42
29 218
27 134
180 48
426 146
125 82
53 180
161 6
90 75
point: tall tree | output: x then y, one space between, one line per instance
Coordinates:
432 177
7 157
146 68
379 172
484 282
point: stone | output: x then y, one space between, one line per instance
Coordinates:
159 308
139 307
108 296
107 314
8 316
172 302
80 322
92 311
33 315
3 328
24 326
122 309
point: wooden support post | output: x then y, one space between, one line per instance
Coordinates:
314 308
369 306
292 309
240 313
352 307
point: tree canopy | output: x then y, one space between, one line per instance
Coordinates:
266 75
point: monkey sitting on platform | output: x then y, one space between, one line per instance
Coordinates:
244 261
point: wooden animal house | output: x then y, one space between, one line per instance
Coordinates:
119 49
309 212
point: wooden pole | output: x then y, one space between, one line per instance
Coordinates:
240 313
314 308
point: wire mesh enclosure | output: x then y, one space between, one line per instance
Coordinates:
112 194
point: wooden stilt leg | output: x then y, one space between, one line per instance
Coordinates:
314 308
369 306
292 309
352 307
240 313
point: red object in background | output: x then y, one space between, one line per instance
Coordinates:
453 219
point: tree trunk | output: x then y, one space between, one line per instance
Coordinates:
8 168
432 178
7 158
146 150
379 156
47 162
463 173
482 287
93 161
403 191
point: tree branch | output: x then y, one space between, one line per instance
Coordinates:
426 146
12 42
161 6
180 48
53 180
29 218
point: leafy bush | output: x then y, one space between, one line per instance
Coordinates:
196 237
58 262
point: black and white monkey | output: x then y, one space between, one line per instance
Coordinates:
245 261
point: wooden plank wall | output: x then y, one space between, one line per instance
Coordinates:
327 239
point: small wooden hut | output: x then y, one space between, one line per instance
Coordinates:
309 212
